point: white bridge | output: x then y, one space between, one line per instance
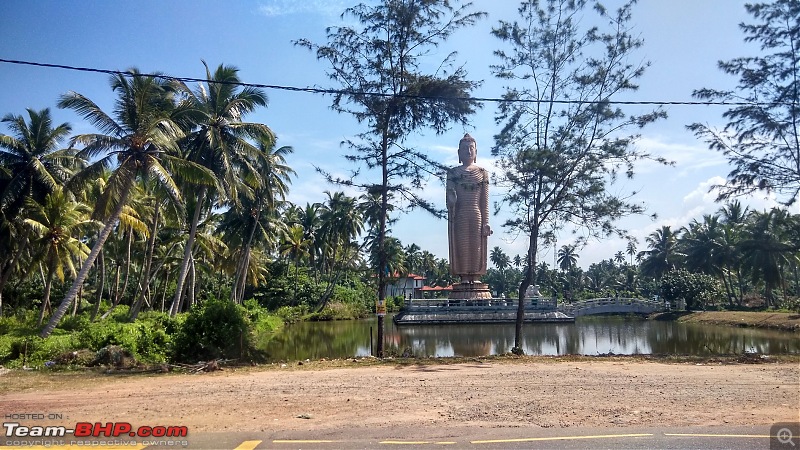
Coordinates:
612 305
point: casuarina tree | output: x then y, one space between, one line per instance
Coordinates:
563 140
762 137
381 63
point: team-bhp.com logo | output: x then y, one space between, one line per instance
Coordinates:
97 429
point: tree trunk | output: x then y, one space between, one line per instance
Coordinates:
527 280
187 254
382 235
144 279
127 266
77 301
47 286
101 285
192 281
728 291
87 265
240 280
116 292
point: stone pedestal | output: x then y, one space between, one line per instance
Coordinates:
470 291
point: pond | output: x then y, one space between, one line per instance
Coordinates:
591 335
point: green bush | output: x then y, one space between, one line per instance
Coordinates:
261 320
33 351
394 303
284 289
292 314
697 289
213 329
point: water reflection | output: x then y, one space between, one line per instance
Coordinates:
587 336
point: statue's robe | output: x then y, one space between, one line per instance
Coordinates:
469 187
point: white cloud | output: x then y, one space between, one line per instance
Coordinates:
275 8
687 157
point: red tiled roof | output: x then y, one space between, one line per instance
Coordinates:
435 288
413 276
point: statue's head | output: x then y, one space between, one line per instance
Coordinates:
467 149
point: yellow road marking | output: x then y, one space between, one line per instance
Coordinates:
301 441
248 445
720 435
72 447
405 442
560 438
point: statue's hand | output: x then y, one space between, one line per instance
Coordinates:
487 230
451 199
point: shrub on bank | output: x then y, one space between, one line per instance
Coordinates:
213 329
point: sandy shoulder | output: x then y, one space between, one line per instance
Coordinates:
595 393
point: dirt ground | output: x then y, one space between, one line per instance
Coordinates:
755 319
494 393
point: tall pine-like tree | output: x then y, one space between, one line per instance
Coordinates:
762 137
380 62
562 140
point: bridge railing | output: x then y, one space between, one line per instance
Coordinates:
615 301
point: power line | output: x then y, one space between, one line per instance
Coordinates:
316 90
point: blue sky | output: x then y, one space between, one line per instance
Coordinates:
684 39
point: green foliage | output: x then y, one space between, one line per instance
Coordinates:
760 139
214 329
33 351
394 303
698 290
279 290
291 314
261 319
337 311
147 340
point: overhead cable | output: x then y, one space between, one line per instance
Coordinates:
317 90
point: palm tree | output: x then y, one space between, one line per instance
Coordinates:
33 158
619 257
57 224
500 260
766 249
34 166
140 138
630 249
733 217
271 188
428 262
311 220
567 258
342 222
413 258
700 242
395 257
295 246
220 143
662 255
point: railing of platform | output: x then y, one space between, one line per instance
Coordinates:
531 304
440 304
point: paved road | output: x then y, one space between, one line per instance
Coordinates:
728 437
776 437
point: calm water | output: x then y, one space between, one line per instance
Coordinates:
587 336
